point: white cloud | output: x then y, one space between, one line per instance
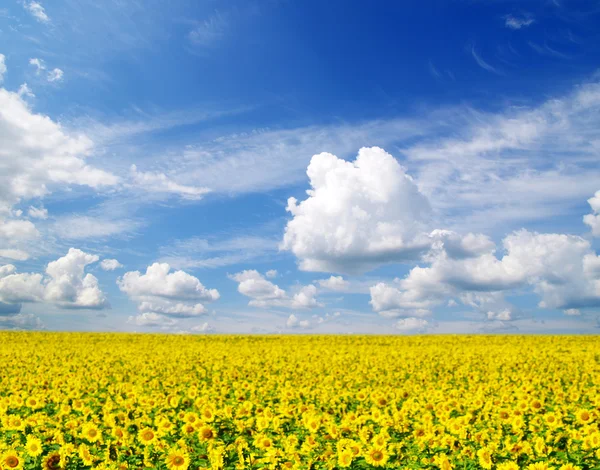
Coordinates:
110 264
265 159
65 285
2 67
271 273
25 91
294 322
305 298
163 295
266 294
252 284
55 75
562 269
38 64
411 325
157 182
503 315
14 253
358 214
329 317
336 283
151 319
572 312
458 247
176 310
6 270
490 305
37 212
69 286
17 230
21 321
158 281
37 10
37 154
16 236
516 22
17 288
593 220
203 328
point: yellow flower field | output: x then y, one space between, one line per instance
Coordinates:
117 401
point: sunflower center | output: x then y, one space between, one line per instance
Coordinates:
12 461
178 460
148 435
377 455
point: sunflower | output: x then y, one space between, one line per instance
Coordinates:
77 405
313 424
52 462
508 466
569 466
188 429
441 460
165 426
177 459
264 442
345 458
377 456
147 436
551 420
119 434
33 403
536 405
33 446
191 417
85 455
16 423
11 460
583 416
91 433
539 466
485 458
206 433
208 414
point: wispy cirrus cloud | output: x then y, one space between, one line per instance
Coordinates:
482 63
518 21
199 252
479 168
208 32
546 50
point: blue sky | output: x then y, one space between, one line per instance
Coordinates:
148 154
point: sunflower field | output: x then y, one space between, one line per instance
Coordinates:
119 401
